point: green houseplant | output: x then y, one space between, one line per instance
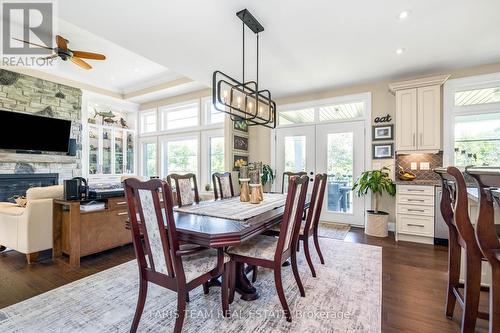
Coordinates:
377 182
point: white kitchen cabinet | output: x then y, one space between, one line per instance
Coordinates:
418 114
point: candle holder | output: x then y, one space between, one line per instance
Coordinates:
255 194
261 192
245 190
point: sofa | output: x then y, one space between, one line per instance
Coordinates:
29 229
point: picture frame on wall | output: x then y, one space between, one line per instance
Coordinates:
383 150
240 143
383 132
239 160
240 125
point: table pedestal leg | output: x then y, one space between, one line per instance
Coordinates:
243 286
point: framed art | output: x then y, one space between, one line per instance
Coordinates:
240 143
383 150
240 125
383 132
238 161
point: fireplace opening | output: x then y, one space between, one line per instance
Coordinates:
17 184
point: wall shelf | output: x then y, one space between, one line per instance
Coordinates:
36 158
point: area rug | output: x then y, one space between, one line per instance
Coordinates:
345 297
333 230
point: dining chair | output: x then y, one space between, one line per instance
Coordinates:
223 185
458 214
488 234
271 252
310 227
186 188
287 175
168 264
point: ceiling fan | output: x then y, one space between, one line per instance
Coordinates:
62 51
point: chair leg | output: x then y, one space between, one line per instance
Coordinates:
471 293
187 297
254 274
32 257
495 299
454 255
143 291
281 293
316 245
308 256
224 290
295 270
182 295
232 281
206 289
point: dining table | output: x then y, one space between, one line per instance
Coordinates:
230 222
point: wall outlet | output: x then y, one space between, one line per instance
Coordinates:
425 166
413 165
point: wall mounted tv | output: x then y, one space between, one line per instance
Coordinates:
20 131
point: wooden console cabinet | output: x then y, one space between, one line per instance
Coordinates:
78 234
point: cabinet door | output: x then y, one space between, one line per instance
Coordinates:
429 118
119 148
130 144
94 158
406 119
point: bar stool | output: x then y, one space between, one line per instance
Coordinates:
455 210
487 233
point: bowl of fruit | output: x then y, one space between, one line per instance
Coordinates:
405 175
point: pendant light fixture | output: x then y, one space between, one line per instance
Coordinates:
243 101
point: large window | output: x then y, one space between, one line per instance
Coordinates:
190 138
472 137
147 120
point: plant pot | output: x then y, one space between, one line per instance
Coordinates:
377 224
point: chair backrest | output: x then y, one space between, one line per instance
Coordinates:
186 188
447 203
461 211
223 185
287 175
487 179
316 204
292 218
158 229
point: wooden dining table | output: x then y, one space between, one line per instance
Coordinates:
217 232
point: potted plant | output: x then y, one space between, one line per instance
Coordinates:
267 177
378 182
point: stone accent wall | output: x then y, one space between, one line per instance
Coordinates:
28 94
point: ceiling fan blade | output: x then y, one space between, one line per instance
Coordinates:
42 46
61 42
50 57
88 55
80 63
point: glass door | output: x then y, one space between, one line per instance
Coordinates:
93 150
107 138
295 151
129 167
340 150
119 148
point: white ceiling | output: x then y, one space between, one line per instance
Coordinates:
308 45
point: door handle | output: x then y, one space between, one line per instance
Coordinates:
311 173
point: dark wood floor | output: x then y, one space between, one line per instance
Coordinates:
414 281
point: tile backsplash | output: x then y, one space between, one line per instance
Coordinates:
434 160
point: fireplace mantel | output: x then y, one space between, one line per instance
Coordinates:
36 158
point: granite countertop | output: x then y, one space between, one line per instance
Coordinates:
428 182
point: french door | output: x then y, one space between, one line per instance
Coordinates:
337 149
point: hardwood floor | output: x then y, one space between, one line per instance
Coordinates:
414 281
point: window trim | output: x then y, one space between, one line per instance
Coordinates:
205 158
141 162
142 115
450 110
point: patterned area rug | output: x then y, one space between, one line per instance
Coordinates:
333 230
345 297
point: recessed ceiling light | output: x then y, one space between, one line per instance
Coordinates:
400 50
404 14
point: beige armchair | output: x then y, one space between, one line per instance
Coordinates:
29 229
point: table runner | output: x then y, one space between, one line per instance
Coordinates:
233 208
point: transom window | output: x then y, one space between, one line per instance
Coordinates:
147 121
477 96
179 116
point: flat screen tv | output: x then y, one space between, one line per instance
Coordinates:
26 132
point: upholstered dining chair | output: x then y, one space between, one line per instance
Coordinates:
287 175
223 185
271 252
186 188
455 211
310 227
488 234
168 264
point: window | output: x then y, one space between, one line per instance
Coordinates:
147 121
148 157
216 152
341 111
472 121
180 156
212 115
180 116
295 153
296 116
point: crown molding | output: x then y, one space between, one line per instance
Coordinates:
419 82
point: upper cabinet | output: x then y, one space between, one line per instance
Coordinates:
418 114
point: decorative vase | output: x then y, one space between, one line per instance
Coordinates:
245 190
255 194
261 192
